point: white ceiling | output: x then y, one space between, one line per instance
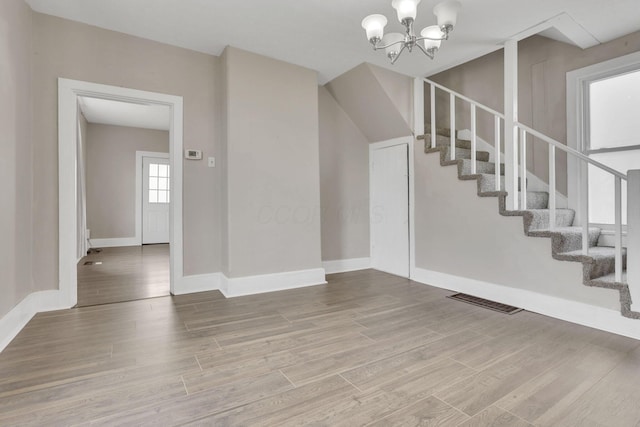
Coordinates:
325 35
117 113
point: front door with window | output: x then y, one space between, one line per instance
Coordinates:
156 199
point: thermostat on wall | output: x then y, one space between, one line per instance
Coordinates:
193 154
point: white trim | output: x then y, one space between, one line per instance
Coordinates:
344 265
576 82
571 311
200 283
68 93
418 106
250 285
533 182
114 242
12 323
566 25
140 155
410 142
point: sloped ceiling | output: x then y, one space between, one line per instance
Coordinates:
325 35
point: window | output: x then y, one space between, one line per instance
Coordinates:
159 191
613 138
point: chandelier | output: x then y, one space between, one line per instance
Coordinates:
395 43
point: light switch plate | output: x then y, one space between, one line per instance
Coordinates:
212 162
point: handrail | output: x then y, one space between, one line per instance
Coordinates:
571 151
469 100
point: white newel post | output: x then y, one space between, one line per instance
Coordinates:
633 237
418 106
510 120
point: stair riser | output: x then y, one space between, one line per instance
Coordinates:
488 183
539 219
462 153
602 267
573 242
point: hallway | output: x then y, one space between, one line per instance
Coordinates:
125 274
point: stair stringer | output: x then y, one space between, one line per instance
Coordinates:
588 262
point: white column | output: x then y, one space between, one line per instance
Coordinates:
511 117
633 237
418 106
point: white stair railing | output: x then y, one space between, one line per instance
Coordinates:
520 145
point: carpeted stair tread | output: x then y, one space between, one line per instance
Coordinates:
481 167
535 199
439 131
611 278
567 239
600 261
538 219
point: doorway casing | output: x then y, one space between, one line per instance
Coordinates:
68 93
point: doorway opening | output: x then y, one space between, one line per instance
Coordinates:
75 236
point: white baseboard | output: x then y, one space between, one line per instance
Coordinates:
13 322
249 285
115 242
571 311
344 265
198 283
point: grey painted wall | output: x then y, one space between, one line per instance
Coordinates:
543 64
15 155
273 188
363 97
73 50
111 176
344 183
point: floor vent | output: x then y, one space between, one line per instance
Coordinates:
491 305
93 263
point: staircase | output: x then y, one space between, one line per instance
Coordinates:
565 238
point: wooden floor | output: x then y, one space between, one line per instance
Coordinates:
366 349
126 274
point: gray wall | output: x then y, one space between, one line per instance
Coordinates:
461 234
111 176
344 183
273 189
15 155
363 97
543 64
73 50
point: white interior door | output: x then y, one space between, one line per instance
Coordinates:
156 199
390 209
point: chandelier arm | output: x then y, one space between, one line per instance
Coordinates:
376 47
430 55
432 38
393 61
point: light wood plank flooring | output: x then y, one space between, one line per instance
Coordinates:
126 274
366 349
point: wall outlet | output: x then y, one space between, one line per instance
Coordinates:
211 162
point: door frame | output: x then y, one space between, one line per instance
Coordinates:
140 155
68 93
409 142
